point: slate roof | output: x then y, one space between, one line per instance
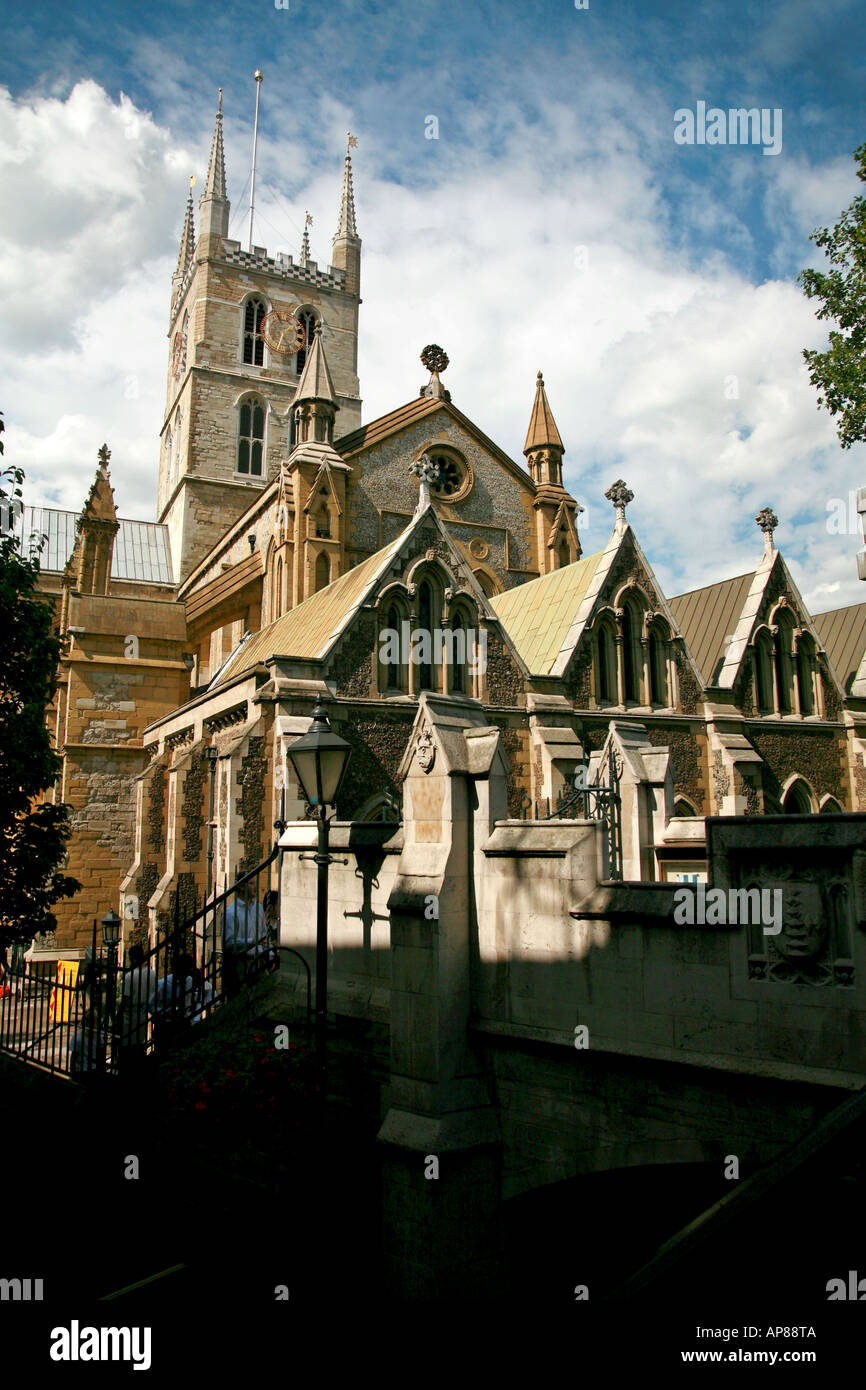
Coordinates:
705 617
843 635
141 548
538 615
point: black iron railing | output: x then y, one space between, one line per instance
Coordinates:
90 1017
584 800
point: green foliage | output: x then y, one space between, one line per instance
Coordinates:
840 372
32 835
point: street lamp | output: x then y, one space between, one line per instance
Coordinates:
111 925
320 759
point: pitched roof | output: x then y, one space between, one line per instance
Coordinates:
707 616
538 615
409 414
843 635
308 631
542 432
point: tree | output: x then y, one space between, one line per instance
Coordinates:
33 834
840 372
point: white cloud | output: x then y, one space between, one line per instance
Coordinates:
478 255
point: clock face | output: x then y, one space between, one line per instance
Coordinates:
282 332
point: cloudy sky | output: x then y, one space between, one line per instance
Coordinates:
553 222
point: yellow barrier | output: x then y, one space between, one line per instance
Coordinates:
67 975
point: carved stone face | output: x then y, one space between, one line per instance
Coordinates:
425 750
804 929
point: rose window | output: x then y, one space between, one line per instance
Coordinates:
451 475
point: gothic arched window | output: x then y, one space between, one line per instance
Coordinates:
175 463
307 320
184 342
785 662
251 436
763 658
797 801
277 601
629 665
254 343
606 665
425 624
658 667
458 655
323 572
805 687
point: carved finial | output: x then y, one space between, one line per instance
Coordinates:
220 104
427 473
435 359
104 455
768 521
305 242
620 495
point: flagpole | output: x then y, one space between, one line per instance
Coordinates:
258 76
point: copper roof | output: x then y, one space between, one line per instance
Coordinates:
842 632
538 615
705 617
308 631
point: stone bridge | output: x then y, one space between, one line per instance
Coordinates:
548 1025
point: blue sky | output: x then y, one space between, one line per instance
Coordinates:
553 223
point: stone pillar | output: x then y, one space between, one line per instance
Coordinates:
440 1138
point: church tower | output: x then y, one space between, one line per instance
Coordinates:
555 509
242 327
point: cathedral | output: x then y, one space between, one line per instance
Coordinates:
291 536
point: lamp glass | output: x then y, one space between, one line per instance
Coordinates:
111 928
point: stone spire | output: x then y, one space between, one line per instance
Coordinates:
305 240
768 521
346 244
214 204
315 403
543 448
620 495
96 527
187 237
346 224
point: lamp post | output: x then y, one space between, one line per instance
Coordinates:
111 925
320 759
212 754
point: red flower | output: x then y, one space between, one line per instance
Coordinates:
201 1105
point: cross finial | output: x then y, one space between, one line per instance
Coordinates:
104 455
768 521
620 495
427 473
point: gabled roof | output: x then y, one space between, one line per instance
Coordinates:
843 635
538 615
309 630
706 617
405 415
